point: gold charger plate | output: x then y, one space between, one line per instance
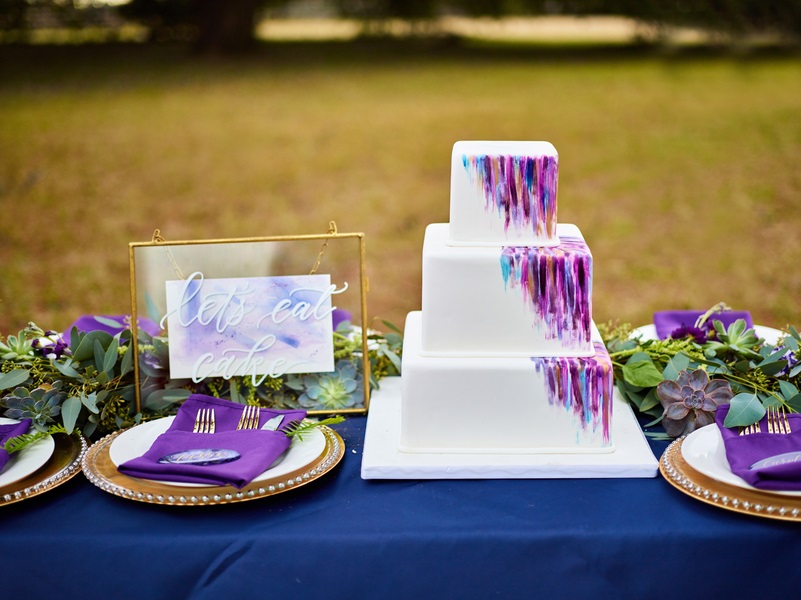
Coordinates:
682 476
102 472
63 465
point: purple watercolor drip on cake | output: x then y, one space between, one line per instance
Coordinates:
519 189
557 285
582 386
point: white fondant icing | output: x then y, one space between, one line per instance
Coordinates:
472 223
469 311
483 405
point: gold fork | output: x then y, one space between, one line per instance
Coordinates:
778 421
249 418
204 421
753 428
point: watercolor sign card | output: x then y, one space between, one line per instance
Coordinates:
257 327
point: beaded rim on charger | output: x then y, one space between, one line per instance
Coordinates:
63 465
102 472
754 502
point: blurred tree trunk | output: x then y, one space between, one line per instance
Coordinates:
226 26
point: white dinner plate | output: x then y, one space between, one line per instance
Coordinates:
704 451
28 460
136 441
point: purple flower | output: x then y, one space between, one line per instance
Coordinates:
690 402
791 359
51 345
684 331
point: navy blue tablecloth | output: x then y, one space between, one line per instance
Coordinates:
342 537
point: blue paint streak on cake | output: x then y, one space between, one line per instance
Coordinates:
556 284
583 387
521 190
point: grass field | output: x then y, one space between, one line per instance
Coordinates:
681 169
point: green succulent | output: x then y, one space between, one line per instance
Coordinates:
738 340
16 348
40 405
341 388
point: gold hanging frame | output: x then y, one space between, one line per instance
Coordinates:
327 241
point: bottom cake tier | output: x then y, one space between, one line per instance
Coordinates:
504 404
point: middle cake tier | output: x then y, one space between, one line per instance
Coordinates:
507 300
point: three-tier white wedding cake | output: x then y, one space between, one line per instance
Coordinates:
504 356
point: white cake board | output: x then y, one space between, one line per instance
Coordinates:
381 458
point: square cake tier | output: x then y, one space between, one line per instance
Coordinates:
507 301
503 193
504 405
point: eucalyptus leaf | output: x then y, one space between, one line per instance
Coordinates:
111 356
795 370
630 397
67 369
75 336
773 358
13 378
642 373
632 388
745 409
788 389
85 349
770 400
70 410
393 358
679 362
163 398
109 322
773 368
650 400
90 402
89 428
233 390
743 366
151 308
127 361
391 327
99 355
791 343
795 403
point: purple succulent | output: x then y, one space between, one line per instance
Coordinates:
690 402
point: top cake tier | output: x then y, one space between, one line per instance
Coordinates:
503 193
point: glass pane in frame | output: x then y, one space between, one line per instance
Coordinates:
339 255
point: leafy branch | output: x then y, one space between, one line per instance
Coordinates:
761 374
299 428
21 442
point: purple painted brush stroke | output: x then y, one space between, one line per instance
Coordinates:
556 283
583 387
519 189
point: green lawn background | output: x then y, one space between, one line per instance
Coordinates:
683 170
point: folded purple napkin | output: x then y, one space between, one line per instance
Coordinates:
6 433
769 461
668 321
226 457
